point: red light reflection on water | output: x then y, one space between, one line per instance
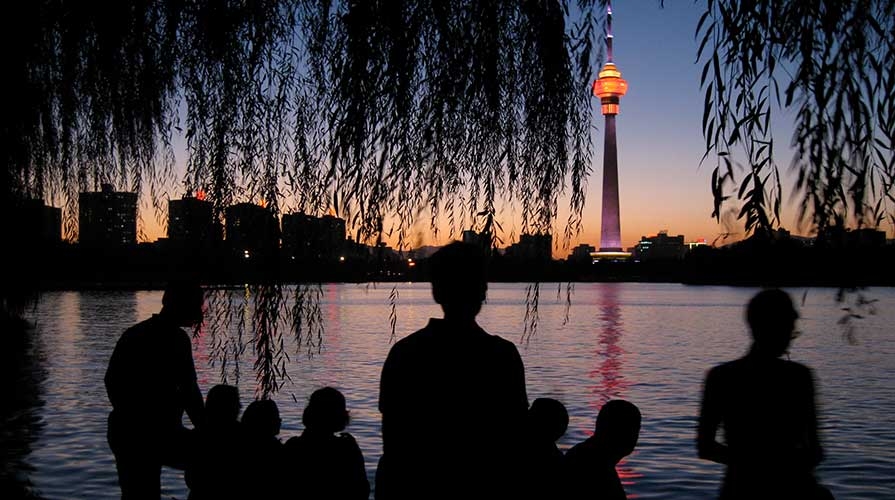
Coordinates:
609 380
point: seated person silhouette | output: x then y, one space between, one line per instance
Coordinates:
766 407
452 397
151 381
262 451
320 463
547 422
213 468
590 465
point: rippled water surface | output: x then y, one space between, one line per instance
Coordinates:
648 343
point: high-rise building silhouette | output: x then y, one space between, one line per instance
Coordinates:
253 231
313 238
107 218
191 222
41 224
531 248
660 247
610 87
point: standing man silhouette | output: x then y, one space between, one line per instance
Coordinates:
151 381
452 397
767 409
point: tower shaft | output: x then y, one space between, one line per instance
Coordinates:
610 227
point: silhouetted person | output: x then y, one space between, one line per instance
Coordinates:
150 381
322 464
213 470
262 453
547 422
590 465
452 397
767 409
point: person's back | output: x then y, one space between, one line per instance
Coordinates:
215 461
150 365
767 410
547 421
452 397
766 407
589 466
261 453
321 464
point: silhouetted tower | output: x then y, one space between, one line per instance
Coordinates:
610 87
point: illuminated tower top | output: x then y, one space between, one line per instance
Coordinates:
609 85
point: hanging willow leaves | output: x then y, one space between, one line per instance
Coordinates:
389 107
383 111
829 64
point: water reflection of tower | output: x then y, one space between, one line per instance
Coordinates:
610 382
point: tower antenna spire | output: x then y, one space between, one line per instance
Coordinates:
609 31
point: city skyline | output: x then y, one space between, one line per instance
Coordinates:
662 186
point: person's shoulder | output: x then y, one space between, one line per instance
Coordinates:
293 442
725 373
798 369
577 452
136 334
414 341
145 325
727 368
501 342
347 440
156 325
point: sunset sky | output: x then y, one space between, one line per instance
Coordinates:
661 184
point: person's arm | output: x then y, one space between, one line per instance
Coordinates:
190 392
517 383
113 377
387 387
814 449
707 445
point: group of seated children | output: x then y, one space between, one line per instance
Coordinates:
587 470
245 459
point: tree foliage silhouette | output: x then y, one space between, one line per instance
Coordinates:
828 63
380 110
384 111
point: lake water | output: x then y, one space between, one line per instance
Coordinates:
648 343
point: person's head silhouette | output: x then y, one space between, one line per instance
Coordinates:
772 320
262 418
326 412
548 419
222 404
459 282
182 303
618 428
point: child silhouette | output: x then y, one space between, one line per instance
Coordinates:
328 463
